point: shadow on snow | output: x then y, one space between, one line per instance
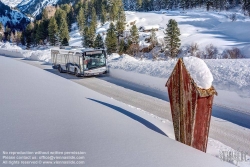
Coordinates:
131 115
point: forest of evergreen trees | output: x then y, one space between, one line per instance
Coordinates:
150 5
54 28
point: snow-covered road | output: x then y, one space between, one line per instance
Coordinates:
226 132
44 112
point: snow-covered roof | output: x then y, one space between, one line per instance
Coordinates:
149 27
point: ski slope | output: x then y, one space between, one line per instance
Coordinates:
44 112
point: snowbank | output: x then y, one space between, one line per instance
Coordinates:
15 51
231 78
111 133
7 45
199 71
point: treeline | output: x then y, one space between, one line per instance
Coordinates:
104 12
53 27
9 34
94 12
151 5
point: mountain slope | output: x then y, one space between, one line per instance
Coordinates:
34 7
11 3
12 18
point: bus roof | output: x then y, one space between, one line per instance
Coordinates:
75 50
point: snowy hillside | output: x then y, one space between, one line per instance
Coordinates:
34 7
110 132
199 26
12 18
196 26
11 3
231 77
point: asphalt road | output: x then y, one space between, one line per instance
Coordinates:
235 133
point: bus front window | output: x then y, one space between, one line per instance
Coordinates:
94 61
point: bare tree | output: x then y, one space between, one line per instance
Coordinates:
193 49
233 53
210 52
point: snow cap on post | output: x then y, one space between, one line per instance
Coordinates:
191 95
199 74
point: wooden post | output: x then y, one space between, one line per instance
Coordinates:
191 108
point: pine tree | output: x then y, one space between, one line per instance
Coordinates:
1 26
53 31
153 39
7 33
122 46
113 11
28 34
86 10
86 38
70 18
68 9
63 30
81 20
59 15
65 42
98 42
18 37
111 39
41 31
93 19
1 37
120 24
12 37
35 30
103 15
23 41
134 35
77 6
172 38
91 36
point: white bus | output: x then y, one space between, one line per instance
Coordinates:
80 62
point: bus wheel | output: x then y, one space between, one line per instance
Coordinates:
76 73
67 69
60 69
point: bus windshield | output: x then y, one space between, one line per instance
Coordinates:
94 61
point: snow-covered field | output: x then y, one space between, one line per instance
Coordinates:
199 26
74 118
231 76
111 133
